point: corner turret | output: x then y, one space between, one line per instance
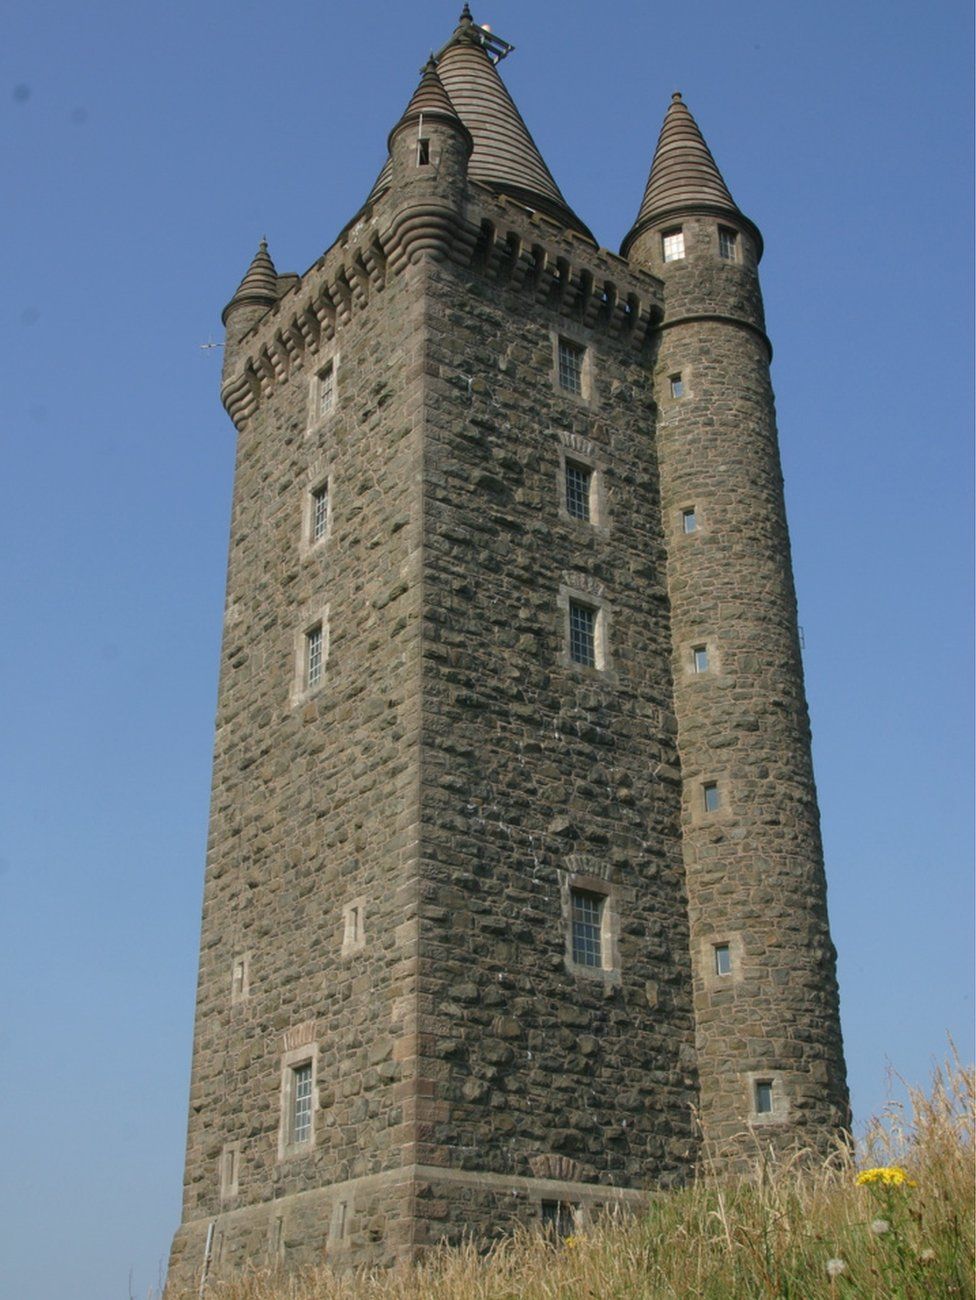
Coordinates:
255 294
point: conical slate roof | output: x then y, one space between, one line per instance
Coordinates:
684 174
505 156
260 283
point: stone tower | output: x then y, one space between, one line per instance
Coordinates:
514 889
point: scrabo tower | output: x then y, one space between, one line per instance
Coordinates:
514 899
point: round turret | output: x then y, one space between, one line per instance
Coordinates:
769 1047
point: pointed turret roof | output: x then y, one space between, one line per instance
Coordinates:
684 175
505 156
260 283
430 97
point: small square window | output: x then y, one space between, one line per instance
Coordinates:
689 520
300 1107
710 794
578 482
699 658
764 1097
423 153
727 242
326 388
314 656
677 386
319 522
673 245
723 959
571 357
582 634
587 919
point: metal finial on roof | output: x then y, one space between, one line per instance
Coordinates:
466 15
676 94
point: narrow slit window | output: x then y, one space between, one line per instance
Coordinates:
689 520
677 386
723 959
699 658
301 1103
587 922
571 357
711 797
320 512
314 661
764 1097
582 634
326 389
673 245
558 1218
423 153
578 482
727 244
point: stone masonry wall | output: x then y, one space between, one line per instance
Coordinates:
535 768
315 796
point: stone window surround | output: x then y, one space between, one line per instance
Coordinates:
339 1221
686 652
581 590
695 794
292 1060
319 474
711 979
353 927
571 334
317 418
230 1169
240 990
312 618
583 876
780 1113
685 373
580 451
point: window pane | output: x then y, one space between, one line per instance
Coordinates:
326 389
726 244
674 245
301 1112
689 520
723 959
701 658
764 1098
313 656
587 916
578 490
571 366
677 386
711 797
320 512
582 635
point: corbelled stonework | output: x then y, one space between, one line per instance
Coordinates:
420 783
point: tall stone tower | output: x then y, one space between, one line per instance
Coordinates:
514 900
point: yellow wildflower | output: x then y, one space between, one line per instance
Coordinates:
571 1242
888 1176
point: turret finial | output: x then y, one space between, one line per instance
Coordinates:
676 94
466 15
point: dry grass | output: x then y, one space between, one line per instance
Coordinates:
772 1234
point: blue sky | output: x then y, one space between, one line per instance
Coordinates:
146 149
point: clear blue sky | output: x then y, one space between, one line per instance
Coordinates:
146 148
